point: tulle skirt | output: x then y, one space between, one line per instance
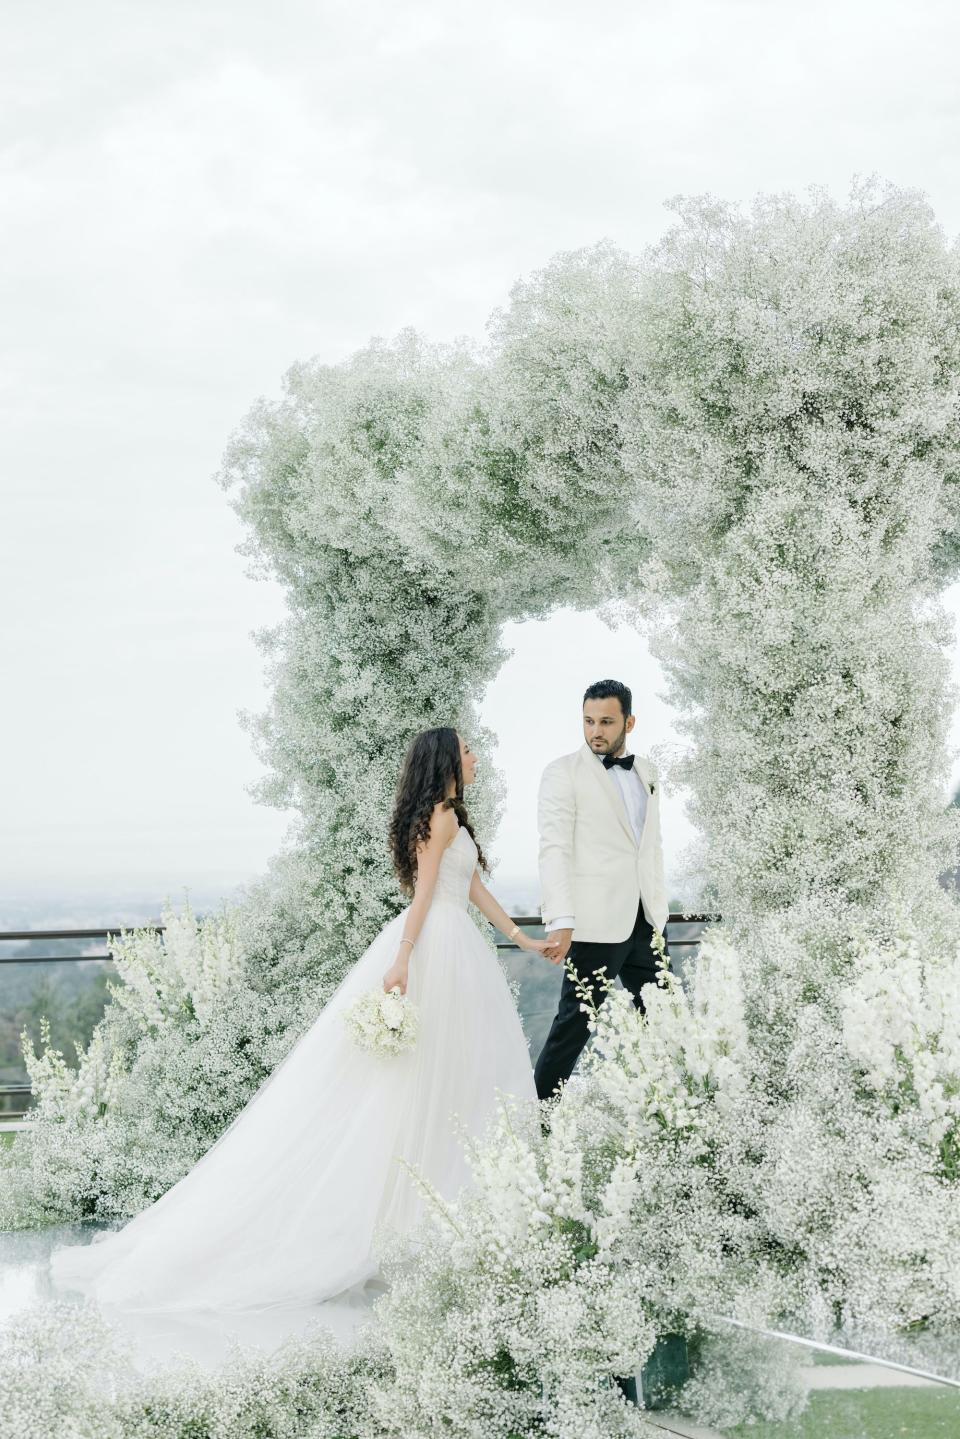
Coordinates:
285 1208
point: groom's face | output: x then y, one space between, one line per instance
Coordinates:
605 727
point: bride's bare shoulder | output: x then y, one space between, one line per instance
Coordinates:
443 826
446 821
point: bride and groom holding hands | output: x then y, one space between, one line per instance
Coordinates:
285 1207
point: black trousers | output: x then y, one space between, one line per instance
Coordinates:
631 960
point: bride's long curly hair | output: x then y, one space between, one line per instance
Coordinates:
433 760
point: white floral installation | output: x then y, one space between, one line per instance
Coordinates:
747 444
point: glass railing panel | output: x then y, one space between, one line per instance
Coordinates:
71 996
732 1383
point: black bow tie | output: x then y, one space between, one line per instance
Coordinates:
625 761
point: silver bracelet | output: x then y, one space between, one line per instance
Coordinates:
407 941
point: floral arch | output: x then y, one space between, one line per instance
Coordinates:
747 441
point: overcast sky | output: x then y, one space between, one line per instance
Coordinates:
194 195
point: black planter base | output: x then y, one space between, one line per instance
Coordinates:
666 1371
629 1388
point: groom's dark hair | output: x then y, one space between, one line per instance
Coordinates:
611 690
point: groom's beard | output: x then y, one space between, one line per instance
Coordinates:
602 746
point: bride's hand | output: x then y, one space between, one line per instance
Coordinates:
537 946
396 975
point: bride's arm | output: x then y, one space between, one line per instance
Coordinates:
498 917
443 826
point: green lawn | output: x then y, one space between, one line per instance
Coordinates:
867 1414
7 1137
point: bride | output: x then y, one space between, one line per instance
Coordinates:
283 1209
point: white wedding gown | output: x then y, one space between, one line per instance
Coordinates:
283 1209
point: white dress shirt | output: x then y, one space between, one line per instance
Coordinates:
633 792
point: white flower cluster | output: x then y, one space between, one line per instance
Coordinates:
798 406
65 1371
84 1093
188 971
382 1023
689 1049
901 1024
192 1030
574 1249
388 634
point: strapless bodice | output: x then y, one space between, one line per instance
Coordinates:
455 874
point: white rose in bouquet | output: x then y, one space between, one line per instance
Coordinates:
384 1023
391 1009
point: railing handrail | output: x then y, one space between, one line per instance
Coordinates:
675 917
11 935
19 935
73 933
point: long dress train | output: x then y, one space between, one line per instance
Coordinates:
284 1207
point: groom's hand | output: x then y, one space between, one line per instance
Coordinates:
559 941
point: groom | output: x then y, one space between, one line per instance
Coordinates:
601 869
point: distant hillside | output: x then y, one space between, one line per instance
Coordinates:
71 996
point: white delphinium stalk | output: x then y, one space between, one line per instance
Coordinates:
901 1024
51 1079
664 1064
100 1072
564 1167
616 1204
61 1091
506 1173
204 957
191 967
142 968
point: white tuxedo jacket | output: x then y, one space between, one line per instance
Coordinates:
591 865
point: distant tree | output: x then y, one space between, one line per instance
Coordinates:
44 1003
87 1010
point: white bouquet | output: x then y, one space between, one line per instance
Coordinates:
385 1023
